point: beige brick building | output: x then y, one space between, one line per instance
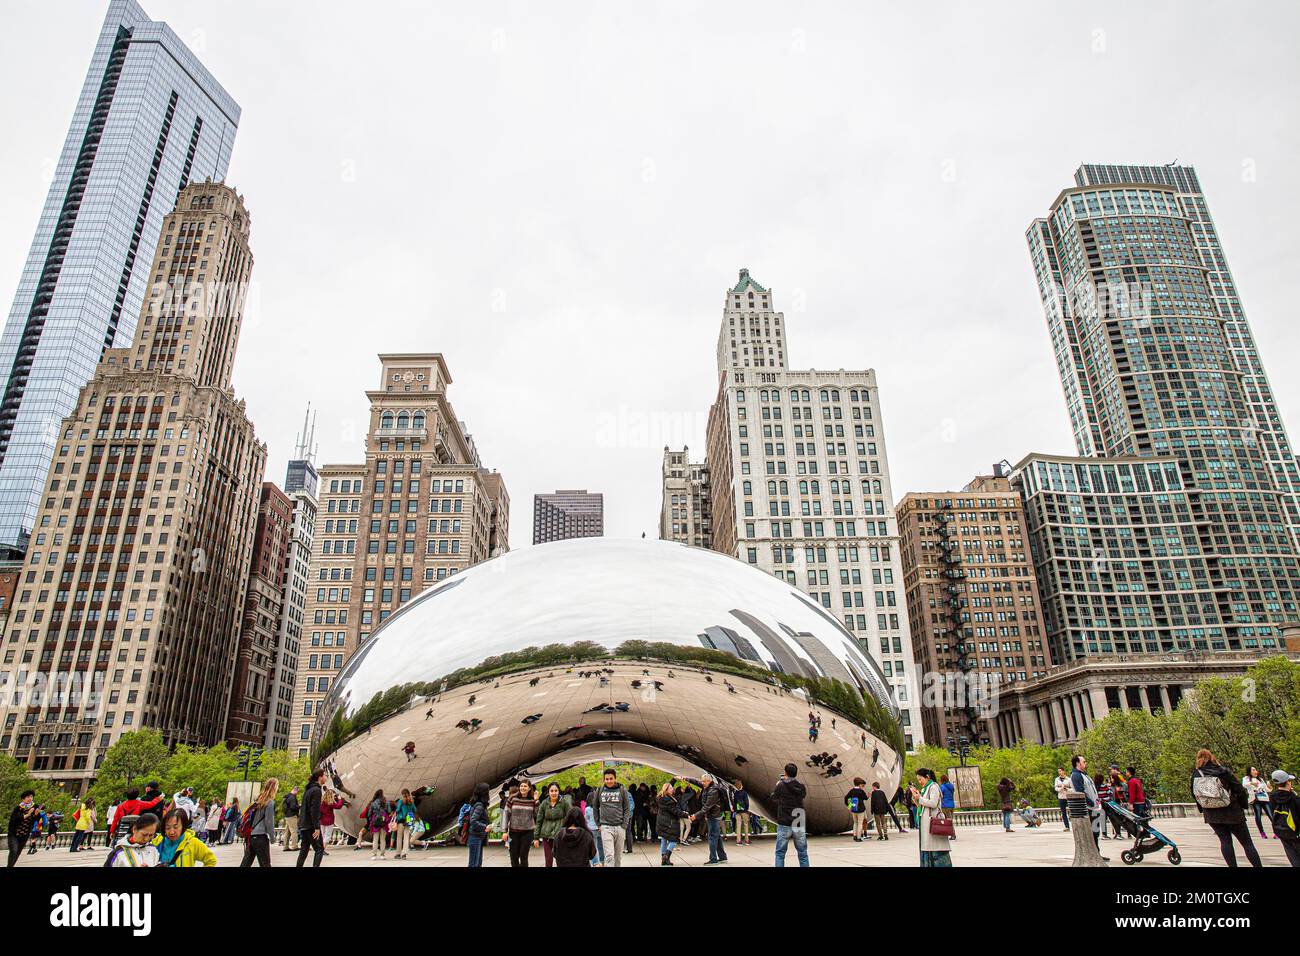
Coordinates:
972 600
686 513
800 488
132 590
421 507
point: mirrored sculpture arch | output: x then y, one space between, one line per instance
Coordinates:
607 649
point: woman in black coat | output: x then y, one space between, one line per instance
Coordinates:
574 845
667 824
1229 821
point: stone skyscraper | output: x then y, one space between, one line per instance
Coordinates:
800 485
150 118
685 512
135 579
420 508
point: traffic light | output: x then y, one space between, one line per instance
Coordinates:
257 758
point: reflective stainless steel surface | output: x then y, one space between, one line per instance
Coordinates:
601 648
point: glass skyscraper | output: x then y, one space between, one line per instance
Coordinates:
1157 363
150 118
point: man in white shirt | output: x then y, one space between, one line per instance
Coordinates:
1061 784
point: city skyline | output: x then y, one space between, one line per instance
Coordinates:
549 285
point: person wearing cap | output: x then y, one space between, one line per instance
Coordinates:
1286 814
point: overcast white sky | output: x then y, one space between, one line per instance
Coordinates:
556 196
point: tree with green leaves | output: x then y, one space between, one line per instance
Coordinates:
134 759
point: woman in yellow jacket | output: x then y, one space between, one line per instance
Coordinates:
178 846
85 824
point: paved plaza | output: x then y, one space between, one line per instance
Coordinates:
975 846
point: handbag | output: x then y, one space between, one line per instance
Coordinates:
942 826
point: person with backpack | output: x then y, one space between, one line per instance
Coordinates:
857 801
612 810
257 826
474 824
1285 806
574 844
289 808
404 818
178 846
378 815
83 823
136 847
1222 799
311 820
1257 790
552 816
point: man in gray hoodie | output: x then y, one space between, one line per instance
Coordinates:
612 811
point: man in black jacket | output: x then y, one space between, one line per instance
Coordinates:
711 807
309 820
20 825
788 798
290 808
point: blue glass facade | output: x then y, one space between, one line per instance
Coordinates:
150 118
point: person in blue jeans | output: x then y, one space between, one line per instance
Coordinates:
787 797
667 827
711 805
478 824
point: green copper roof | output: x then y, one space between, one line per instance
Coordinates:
746 282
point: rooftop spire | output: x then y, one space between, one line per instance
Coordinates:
747 282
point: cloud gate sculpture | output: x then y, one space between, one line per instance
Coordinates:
604 649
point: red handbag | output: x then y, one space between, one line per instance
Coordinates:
942 827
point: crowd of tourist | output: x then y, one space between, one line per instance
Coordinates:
584 825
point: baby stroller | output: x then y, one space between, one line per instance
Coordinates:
1146 838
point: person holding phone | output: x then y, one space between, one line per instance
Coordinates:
925 793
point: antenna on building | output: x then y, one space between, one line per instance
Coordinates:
304 440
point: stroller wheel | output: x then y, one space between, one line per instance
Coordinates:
1174 856
1129 857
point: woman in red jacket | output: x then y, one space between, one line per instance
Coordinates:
329 803
1137 794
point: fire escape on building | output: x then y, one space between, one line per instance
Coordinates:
951 622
